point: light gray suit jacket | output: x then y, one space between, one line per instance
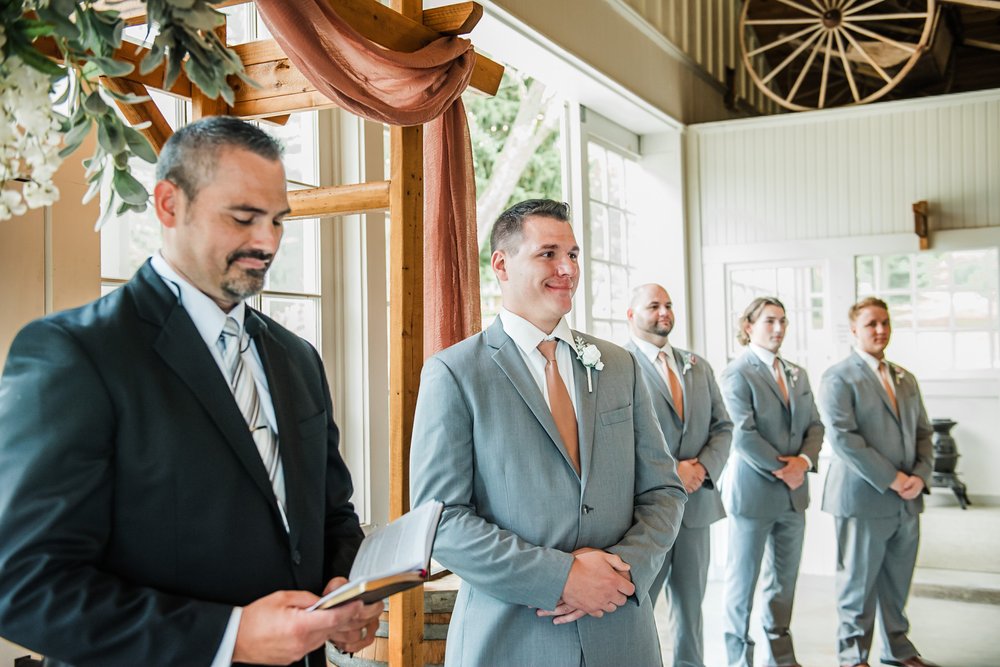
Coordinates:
870 443
484 443
705 433
764 428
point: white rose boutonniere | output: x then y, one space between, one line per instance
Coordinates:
897 373
792 373
590 356
689 361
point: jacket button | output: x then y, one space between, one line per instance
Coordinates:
296 557
587 509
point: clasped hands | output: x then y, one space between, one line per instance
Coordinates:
907 486
793 474
599 582
692 474
277 629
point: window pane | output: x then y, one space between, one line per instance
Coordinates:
975 270
972 310
296 266
864 270
616 179
597 171
603 329
934 351
127 240
600 290
619 291
933 309
900 310
238 23
903 347
298 136
298 315
972 351
598 231
896 272
615 232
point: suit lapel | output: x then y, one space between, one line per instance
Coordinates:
182 349
765 374
586 413
279 383
508 358
875 383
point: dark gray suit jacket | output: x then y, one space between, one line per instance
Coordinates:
135 511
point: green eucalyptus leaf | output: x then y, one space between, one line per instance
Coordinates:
64 8
111 67
152 59
181 4
121 160
32 58
175 60
78 133
202 17
59 21
95 105
127 98
139 145
128 188
110 134
32 29
95 186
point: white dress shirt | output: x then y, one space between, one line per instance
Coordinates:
527 337
652 353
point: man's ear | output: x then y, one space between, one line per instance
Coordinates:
167 200
498 260
628 314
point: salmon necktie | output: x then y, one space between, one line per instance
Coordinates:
883 372
560 403
780 377
676 393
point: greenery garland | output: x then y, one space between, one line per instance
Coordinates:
84 39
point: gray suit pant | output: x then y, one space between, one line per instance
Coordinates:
875 560
779 542
683 577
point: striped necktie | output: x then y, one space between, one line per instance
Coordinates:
245 392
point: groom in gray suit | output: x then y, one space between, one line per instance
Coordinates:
777 436
883 459
560 496
694 421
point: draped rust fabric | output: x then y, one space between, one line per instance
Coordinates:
419 88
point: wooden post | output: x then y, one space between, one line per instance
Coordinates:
201 104
406 345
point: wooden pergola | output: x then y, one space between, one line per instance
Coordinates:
404 26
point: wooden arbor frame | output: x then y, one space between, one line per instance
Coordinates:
403 27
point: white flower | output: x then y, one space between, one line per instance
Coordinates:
898 373
590 356
37 195
792 373
689 361
11 204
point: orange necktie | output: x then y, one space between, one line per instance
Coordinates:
883 372
560 403
676 393
780 376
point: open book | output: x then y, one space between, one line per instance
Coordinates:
391 559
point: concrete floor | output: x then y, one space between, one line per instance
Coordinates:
954 606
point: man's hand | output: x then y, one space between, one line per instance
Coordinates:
692 474
794 472
598 582
912 487
277 629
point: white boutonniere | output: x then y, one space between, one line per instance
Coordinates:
897 373
792 373
689 361
590 357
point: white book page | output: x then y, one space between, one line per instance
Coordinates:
401 546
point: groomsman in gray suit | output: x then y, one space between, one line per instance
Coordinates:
560 496
883 459
777 436
693 419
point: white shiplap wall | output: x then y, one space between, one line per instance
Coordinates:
848 172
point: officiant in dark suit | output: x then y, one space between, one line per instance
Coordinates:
171 490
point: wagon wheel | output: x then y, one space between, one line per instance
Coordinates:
812 54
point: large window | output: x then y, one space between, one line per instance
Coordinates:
944 307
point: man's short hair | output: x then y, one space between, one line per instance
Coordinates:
867 302
188 158
750 315
507 228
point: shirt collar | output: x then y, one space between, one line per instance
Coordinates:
766 356
650 351
527 336
208 318
871 361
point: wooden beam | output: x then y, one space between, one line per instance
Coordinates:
980 44
202 105
159 129
338 200
457 19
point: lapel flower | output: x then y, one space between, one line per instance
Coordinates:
590 357
792 373
689 361
897 373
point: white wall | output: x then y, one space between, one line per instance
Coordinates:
827 186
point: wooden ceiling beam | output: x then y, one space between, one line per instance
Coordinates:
457 19
159 129
339 200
